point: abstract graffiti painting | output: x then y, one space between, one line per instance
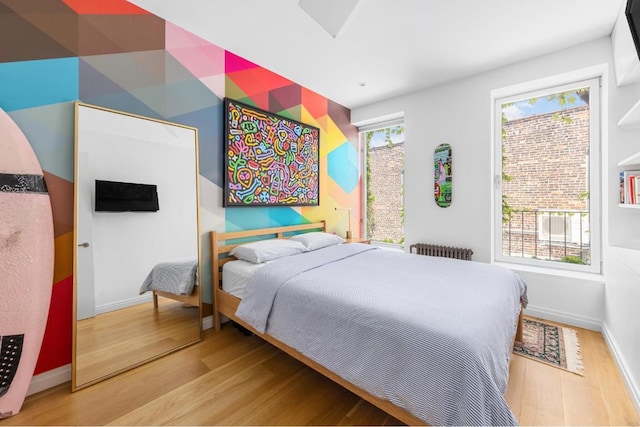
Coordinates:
270 160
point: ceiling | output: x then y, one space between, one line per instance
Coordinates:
385 48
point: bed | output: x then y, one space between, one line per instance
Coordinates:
176 279
391 352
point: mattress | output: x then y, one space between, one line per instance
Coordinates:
236 274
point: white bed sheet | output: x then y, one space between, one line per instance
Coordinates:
236 274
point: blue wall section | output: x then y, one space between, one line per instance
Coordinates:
343 166
49 130
246 218
30 84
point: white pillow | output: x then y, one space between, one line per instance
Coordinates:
317 240
267 250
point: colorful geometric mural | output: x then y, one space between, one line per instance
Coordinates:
114 54
257 86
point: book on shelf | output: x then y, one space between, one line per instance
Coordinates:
630 187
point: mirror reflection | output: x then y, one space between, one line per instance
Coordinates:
136 279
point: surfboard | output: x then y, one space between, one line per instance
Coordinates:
26 264
443 178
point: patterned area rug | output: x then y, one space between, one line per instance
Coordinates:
554 345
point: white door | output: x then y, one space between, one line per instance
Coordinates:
86 295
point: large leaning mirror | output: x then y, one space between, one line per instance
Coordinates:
137 248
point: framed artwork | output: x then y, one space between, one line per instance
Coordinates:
270 160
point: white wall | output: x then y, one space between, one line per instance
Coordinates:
621 325
570 300
460 113
128 244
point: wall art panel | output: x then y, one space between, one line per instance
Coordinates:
270 159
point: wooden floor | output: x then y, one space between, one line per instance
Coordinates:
231 379
118 339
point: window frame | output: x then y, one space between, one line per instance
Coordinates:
362 130
536 89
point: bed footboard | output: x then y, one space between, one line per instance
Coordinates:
193 299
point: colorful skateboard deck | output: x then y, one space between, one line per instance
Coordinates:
26 264
442 175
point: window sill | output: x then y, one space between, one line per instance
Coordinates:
388 246
556 272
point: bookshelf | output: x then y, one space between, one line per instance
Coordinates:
627 71
630 182
631 162
631 120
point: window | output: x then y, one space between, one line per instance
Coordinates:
383 189
563 226
547 185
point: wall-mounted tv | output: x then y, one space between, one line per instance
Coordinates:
632 12
114 196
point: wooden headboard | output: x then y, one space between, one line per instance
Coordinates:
220 248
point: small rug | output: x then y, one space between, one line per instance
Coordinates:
554 345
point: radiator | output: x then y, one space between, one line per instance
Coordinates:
441 251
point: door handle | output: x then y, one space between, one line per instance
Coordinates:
84 245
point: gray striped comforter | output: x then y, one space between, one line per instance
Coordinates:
178 277
431 335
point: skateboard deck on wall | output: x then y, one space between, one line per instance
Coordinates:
443 179
26 264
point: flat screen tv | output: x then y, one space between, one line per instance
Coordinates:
114 196
633 17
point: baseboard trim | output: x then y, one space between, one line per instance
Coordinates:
564 317
106 308
632 387
207 322
50 379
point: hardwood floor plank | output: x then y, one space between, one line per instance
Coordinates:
608 380
252 394
105 401
106 343
232 379
542 396
516 383
577 395
298 404
211 392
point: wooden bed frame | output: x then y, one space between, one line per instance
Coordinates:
193 299
225 304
